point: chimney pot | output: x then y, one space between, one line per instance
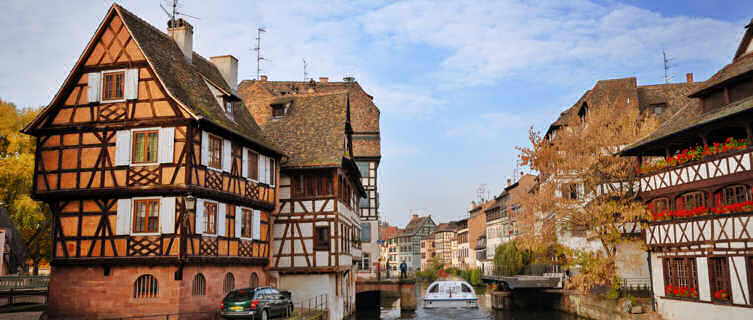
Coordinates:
323 79
263 78
182 32
689 77
228 66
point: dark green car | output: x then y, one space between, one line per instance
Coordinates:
258 303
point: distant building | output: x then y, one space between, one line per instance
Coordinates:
463 252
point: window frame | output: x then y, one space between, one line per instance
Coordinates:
725 278
683 203
318 246
207 204
199 285
210 158
278 107
133 146
146 223
140 291
102 77
228 282
254 167
250 223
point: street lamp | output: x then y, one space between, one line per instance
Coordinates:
190 202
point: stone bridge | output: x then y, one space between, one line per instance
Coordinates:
405 287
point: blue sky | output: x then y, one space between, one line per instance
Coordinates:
458 82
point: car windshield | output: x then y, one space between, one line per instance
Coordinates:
240 294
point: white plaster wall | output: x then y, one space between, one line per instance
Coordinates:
304 287
704 290
674 309
631 260
657 273
739 288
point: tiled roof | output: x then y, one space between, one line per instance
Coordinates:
312 131
415 224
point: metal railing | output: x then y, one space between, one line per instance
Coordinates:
638 287
529 270
316 303
24 282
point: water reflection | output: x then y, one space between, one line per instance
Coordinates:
390 309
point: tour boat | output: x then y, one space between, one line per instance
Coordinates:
450 294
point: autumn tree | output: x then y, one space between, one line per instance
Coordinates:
584 185
16 174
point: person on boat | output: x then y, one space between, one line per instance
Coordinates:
403 270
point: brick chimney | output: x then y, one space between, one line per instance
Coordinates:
323 79
689 77
263 78
182 32
228 66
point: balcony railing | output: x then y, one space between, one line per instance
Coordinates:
711 167
729 230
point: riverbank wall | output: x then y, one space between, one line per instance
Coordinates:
594 306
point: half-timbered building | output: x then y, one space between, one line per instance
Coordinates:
316 240
364 118
696 178
160 183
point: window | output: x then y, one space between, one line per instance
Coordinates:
210 218
228 107
322 238
658 205
363 168
254 280
253 165
278 110
215 152
146 215
113 85
733 194
146 286
691 200
363 202
272 175
199 285
312 185
658 108
246 223
145 146
365 261
365 232
680 272
229 283
719 278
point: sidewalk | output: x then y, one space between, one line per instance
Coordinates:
33 315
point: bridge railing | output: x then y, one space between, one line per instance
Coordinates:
529 270
24 282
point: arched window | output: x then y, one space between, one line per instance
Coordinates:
146 286
732 194
199 285
691 200
229 283
254 280
658 205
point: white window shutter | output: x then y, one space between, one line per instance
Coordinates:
92 90
166 144
123 148
267 167
227 157
221 219
256 225
260 171
199 216
238 221
204 148
244 164
167 214
131 84
123 221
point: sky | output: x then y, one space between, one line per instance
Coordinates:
458 83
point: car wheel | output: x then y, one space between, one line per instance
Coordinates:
264 315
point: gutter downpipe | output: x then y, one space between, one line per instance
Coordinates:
651 281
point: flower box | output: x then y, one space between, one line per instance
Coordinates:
693 155
681 292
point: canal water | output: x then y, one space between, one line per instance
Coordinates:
389 308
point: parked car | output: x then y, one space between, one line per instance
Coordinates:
257 303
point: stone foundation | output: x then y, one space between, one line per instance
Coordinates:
86 292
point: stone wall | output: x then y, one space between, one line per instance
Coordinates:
592 306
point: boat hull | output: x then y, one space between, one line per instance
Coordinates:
450 303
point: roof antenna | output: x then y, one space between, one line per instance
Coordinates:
305 70
667 66
259 58
174 12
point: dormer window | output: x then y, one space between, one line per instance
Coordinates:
658 108
113 85
278 110
228 107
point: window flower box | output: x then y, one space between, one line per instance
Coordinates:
720 296
693 154
702 211
681 292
